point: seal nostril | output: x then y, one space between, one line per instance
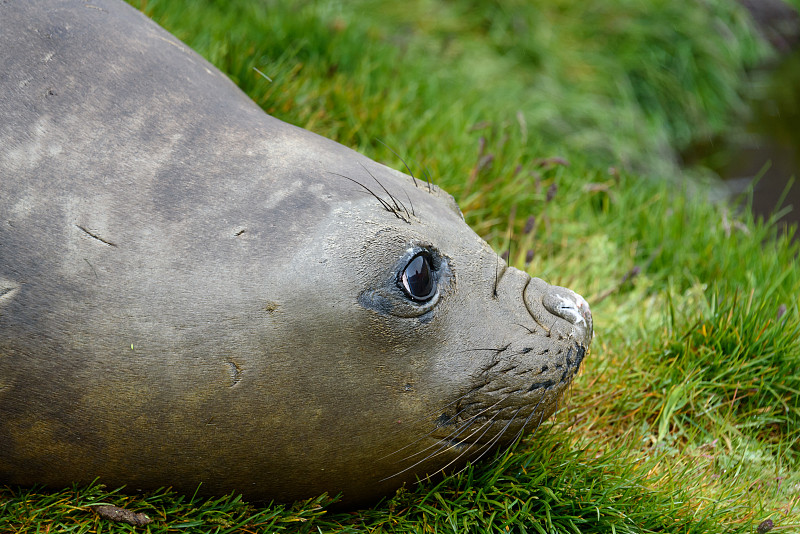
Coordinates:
569 306
565 309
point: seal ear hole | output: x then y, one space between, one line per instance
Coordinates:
418 278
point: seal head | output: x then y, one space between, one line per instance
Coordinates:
193 292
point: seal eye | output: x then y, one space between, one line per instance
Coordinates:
417 279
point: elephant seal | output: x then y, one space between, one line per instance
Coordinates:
195 293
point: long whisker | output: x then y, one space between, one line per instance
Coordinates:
401 159
396 203
443 444
483 411
428 178
411 203
419 439
497 275
487 446
527 420
432 414
449 437
385 204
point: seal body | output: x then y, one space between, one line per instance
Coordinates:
195 293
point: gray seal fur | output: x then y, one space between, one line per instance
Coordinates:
194 292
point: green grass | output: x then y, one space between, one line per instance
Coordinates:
557 126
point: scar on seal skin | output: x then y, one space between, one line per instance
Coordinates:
7 291
305 320
235 371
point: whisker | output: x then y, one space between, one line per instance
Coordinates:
431 415
483 411
428 179
528 420
443 445
436 413
396 204
452 435
421 437
526 328
385 204
516 437
466 450
411 203
401 159
486 446
490 445
496 277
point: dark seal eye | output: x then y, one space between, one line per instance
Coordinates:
418 279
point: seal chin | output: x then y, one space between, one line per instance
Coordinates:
498 415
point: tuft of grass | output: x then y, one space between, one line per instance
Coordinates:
70 510
557 127
741 358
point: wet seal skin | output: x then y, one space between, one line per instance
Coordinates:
192 291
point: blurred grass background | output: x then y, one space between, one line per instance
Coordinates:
558 126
